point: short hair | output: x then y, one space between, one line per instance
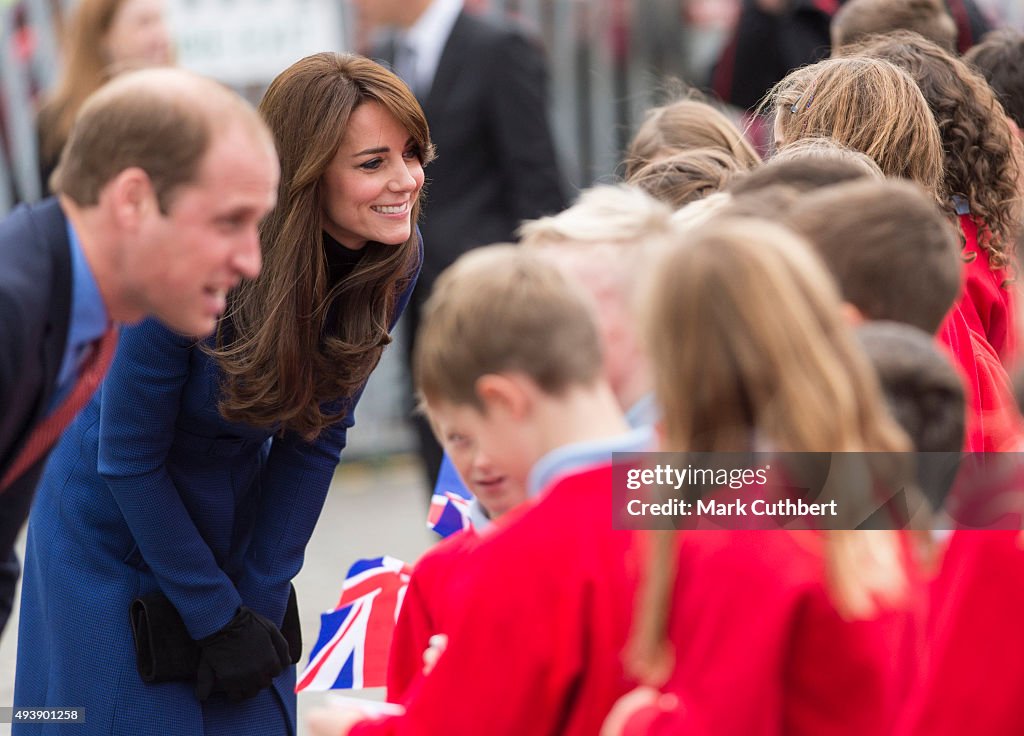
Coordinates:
687 176
604 213
924 393
802 174
504 309
160 120
889 246
683 125
1000 59
921 386
858 19
867 104
702 211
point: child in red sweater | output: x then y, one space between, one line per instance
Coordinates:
595 244
509 357
776 632
981 175
422 627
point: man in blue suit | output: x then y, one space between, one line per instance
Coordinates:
159 192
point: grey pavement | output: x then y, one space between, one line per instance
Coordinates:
374 508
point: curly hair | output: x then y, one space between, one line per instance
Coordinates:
980 151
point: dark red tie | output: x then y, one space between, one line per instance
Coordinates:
47 432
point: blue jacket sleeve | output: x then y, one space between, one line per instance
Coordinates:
138 413
294 488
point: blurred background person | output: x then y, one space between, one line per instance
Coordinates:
102 38
483 85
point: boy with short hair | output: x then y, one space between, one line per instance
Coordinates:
858 19
423 625
896 257
509 356
600 244
1000 59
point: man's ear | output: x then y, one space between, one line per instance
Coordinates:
130 197
503 393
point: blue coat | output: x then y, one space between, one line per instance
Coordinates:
152 490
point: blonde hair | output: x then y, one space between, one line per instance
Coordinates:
775 359
683 125
687 176
869 105
604 225
504 309
827 149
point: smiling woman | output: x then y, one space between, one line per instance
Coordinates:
169 494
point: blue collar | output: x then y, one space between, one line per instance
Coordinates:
644 413
961 205
88 320
573 458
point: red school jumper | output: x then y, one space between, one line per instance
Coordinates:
980 335
536 648
427 609
974 681
988 298
761 650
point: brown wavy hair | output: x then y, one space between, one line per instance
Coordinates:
980 150
292 340
867 104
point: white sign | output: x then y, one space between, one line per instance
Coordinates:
249 42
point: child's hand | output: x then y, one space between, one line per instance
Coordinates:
626 706
333 721
438 643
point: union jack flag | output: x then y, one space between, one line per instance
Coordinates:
449 506
355 637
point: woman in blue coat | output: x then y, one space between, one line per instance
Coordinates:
197 473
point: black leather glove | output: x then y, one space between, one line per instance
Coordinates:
242 658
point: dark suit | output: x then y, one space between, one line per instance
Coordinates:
496 163
35 302
765 47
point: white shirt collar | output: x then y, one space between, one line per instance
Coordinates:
428 36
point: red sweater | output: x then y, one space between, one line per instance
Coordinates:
993 421
980 335
427 609
536 646
988 304
974 681
761 650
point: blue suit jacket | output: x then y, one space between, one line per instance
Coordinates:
152 490
35 303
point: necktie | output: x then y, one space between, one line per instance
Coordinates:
47 432
405 63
